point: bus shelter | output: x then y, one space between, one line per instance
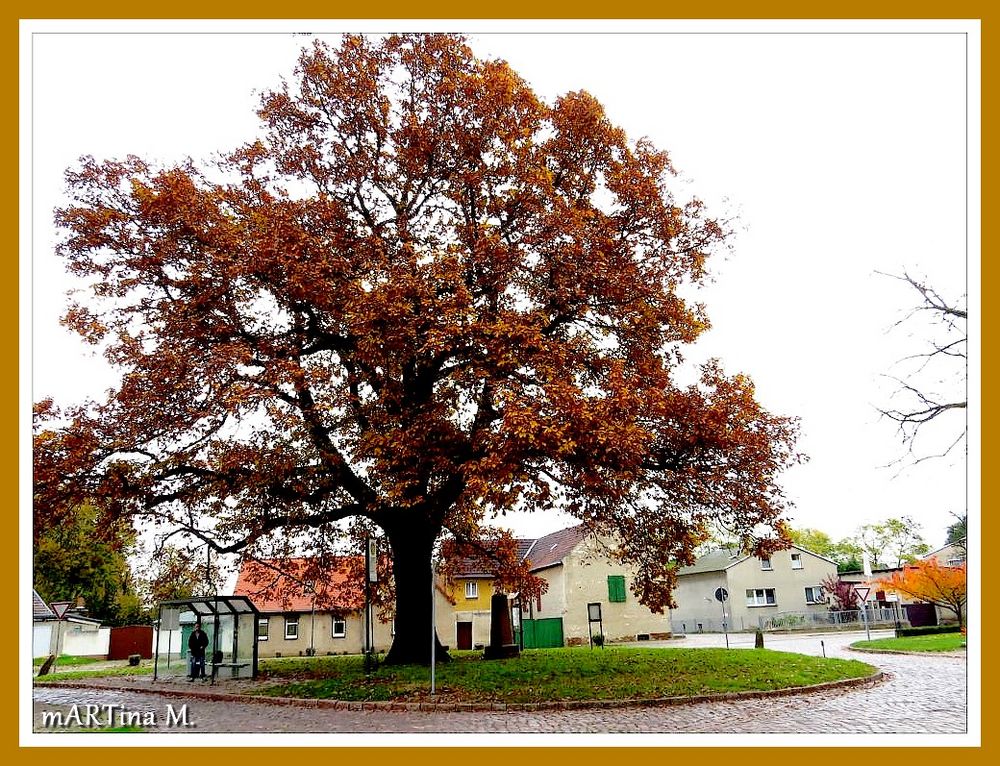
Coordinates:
231 623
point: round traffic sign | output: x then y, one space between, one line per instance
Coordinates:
721 594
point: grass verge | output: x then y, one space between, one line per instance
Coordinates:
66 660
550 675
938 642
70 675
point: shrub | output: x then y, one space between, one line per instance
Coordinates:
926 630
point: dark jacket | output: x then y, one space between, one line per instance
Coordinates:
197 643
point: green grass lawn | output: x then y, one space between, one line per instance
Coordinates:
938 642
546 675
68 675
66 660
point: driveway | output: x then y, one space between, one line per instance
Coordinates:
924 695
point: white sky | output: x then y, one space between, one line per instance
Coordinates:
839 154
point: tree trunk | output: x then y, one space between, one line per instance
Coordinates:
411 569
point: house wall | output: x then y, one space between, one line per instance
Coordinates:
695 614
553 602
322 638
80 640
950 555
789 586
42 638
585 574
476 610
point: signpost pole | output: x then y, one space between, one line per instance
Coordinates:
722 595
861 594
433 629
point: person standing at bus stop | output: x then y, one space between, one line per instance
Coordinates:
197 644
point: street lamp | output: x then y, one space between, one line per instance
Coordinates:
311 588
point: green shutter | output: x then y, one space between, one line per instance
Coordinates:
616 588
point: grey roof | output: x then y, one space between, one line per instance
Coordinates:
540 553
959 543
39 609
553 548
714 561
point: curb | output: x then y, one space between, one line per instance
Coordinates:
866 650
478 707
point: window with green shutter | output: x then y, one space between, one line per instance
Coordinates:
616 588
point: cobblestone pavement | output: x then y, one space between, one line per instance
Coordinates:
924 694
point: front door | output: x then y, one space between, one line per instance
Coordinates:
464 635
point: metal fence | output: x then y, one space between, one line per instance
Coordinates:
847 620
851 619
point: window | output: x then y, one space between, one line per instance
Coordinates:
263 624
814 595
760 597
765 564
796 561
472 589
616 588
291 627
955 562
339 625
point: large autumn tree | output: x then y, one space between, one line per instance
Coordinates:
422 298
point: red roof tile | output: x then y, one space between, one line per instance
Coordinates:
278 585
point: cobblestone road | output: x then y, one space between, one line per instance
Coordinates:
924 694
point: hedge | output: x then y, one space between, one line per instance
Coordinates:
927 630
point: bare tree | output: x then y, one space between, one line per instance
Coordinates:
930 384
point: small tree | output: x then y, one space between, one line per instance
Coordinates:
930 582
841 593
891 543
957 532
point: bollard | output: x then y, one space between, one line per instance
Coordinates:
758 642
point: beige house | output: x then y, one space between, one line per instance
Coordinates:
578 573
952 555
787 585
299 620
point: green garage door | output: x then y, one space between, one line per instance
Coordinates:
542 634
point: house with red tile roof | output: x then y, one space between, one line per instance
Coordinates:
578 571
310 606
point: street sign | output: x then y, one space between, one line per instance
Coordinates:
60 608
861 592
372 560
721 594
